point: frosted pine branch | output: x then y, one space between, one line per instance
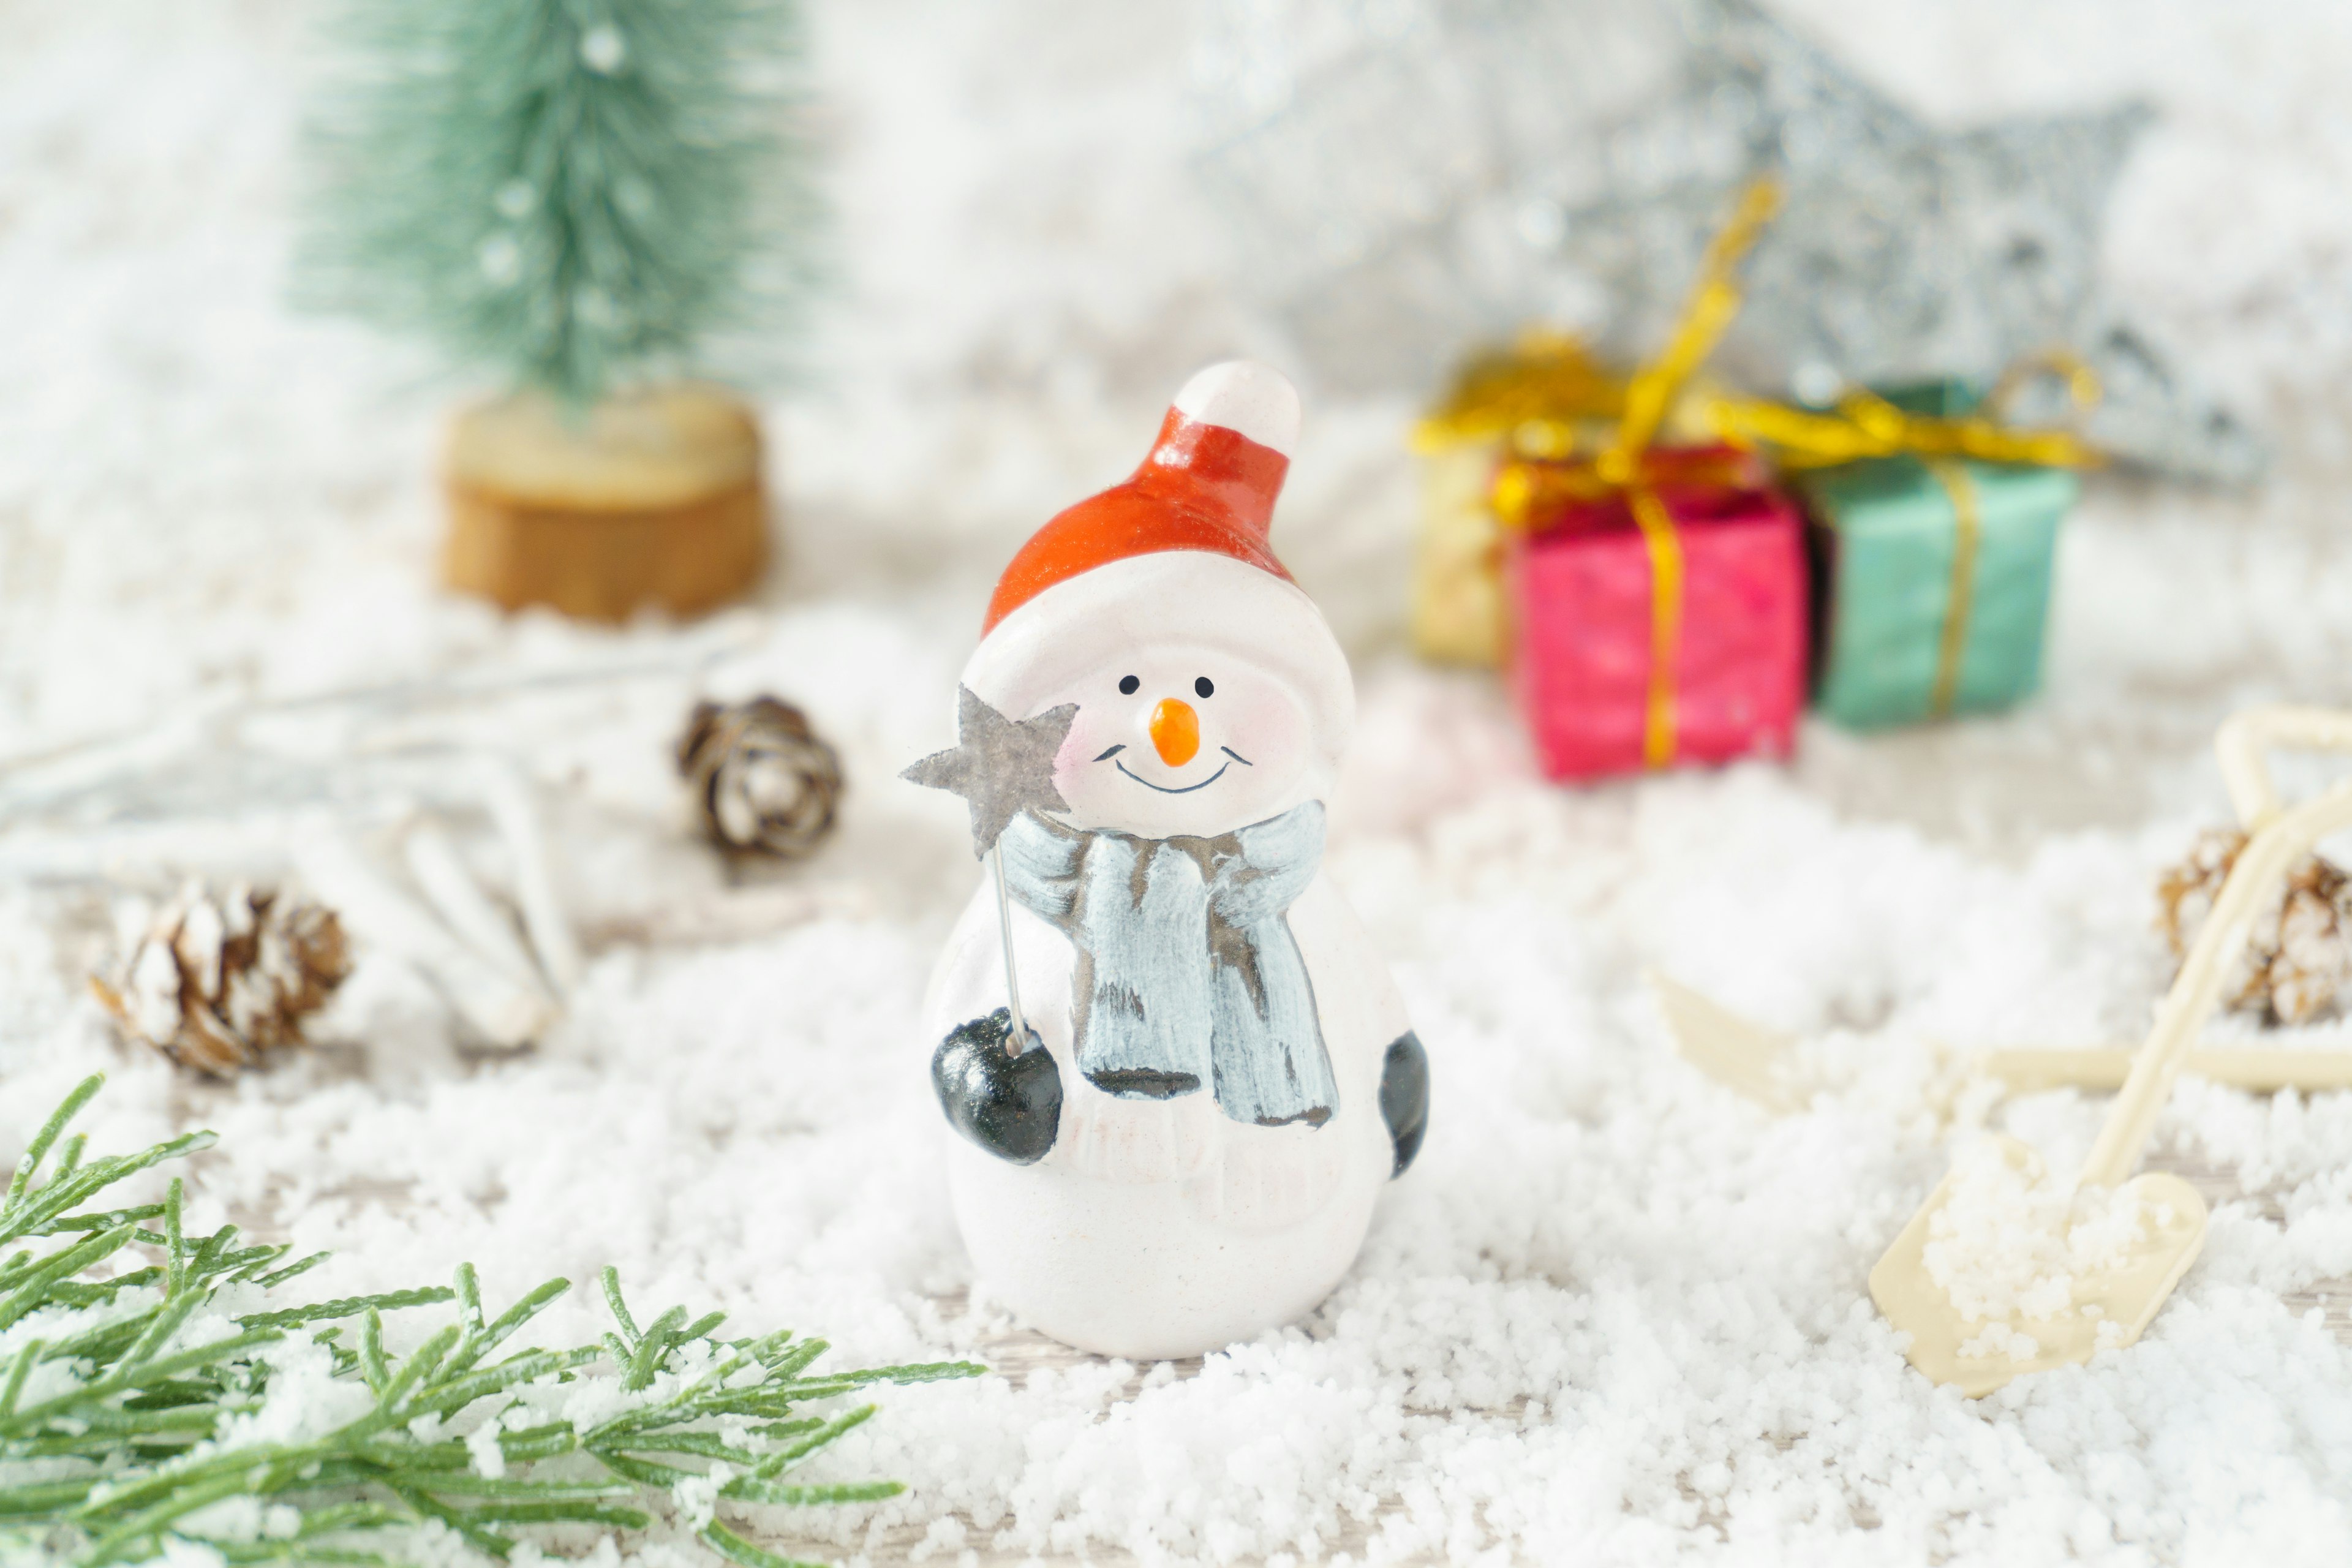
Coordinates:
125 1399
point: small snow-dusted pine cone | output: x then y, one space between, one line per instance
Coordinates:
2298 958
766 782
219 981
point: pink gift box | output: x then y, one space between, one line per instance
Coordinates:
1578 585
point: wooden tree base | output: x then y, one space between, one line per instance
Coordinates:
650 499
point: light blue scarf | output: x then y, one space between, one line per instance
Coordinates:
1187 971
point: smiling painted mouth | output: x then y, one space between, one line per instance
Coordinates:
1163 789
1187 789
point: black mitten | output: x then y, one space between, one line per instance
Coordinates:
1404 1097
1009 1105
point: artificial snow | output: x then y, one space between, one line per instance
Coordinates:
1615 1314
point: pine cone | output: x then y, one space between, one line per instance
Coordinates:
2299 954
217 982
767 784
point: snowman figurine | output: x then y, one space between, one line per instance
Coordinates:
1177 1141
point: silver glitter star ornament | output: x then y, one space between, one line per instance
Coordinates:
1427 175
1903 252
1001 766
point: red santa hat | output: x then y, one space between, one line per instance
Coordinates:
1178 553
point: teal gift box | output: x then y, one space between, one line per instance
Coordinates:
1935 576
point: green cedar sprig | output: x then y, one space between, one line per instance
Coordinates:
109 1466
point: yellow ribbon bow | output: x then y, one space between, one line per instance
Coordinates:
1864 424
1534 395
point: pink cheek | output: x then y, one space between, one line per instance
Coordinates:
1263 729
1076 759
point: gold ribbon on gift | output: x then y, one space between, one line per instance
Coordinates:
1968 530
1627 465
1864 424
1525 491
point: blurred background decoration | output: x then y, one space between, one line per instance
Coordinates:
764 783
222 979
1410 177
578 200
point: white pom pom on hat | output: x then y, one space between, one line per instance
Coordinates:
1250 399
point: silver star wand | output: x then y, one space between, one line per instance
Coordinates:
1001 767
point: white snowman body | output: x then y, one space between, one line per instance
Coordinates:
1157 1229
1210 705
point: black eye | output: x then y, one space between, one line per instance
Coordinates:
1126 684
1205 687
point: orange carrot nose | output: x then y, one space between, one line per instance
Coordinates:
1175 732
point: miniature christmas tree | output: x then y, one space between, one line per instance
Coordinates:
578 198
570 193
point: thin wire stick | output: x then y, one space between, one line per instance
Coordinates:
1020 1038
